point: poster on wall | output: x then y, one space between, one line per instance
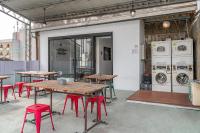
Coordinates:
107 54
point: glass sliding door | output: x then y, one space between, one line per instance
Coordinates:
62 57
84 57
74 57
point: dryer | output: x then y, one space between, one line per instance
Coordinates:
161 74
182 74
182 48
161 49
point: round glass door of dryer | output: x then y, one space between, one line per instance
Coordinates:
161 78
182 79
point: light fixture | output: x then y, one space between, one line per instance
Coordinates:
132 11
44 22
166 24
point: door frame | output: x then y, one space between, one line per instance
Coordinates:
75 37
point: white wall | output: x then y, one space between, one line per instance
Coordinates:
126 41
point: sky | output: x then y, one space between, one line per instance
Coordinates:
7 26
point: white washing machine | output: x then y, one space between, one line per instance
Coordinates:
182 48
161 49
161 74
182 74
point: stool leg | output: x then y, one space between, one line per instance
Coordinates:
76 107
99 111
65 105
5 94
24 122
20 87
28 88
113 90
51 119
38 121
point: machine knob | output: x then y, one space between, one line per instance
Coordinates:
174 67
168 68
154 68
190 68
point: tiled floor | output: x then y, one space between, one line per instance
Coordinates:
178 99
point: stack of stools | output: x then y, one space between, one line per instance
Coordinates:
38 109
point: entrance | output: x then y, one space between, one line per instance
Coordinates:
76 56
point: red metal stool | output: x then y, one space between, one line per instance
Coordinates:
38 109
74 99
99 100
28 88
6 88
20 87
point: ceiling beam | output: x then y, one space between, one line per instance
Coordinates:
116 8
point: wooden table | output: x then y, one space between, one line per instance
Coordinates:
78 88
1 81
106 79
40 74
101 77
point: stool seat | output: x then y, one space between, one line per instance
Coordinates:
7 86
38 109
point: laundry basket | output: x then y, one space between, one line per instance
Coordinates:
195 93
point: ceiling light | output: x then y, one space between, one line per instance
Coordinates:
132 12
166 24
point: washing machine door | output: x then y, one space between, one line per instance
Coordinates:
182 79
161 78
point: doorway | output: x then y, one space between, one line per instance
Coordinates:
76 56
104 55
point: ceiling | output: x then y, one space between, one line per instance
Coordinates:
68 9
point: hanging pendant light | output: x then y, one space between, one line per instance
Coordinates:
132 11
166 24
44 22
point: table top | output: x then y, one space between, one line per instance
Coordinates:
3 77
39 73
101 77
79 88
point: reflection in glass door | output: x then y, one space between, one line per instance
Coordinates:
73 57
62 55
84 57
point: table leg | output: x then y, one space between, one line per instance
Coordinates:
30 78
20 78
35 97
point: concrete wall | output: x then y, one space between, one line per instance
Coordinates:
126 49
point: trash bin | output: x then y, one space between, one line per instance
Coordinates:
195 91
